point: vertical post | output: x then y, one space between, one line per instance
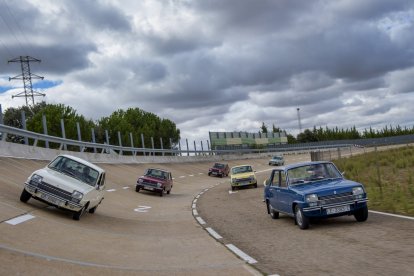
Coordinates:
107 140
162 147
93 139
143 143
195 148
208 145
186 141
120 142
1 116
62 127
131 138
171 145
179 146
26 140
45 129
79 135
202 149
152 144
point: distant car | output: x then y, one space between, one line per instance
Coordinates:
313 190
155 180
69 183
277 160
243 175
219 169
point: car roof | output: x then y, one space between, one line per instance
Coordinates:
80 160
163 170
241 166
295 165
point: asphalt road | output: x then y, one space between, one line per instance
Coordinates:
383 245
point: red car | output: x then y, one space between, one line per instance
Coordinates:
155 180
219 169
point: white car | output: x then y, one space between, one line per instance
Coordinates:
277 160
67 182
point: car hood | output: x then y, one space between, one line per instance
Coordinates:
63 181
242 175
324 186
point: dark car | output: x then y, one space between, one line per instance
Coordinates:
219 169
155 180
313 190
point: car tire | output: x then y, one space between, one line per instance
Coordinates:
137 188
221 176
25 196
162 193
79 214
273 214
255 185
169 191
209 173
300 219
361 214
233 188
92 210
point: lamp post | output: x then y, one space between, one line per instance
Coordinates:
300 125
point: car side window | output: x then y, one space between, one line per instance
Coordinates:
279 179
283 179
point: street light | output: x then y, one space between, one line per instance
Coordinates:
300 125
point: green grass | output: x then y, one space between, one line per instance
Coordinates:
388 178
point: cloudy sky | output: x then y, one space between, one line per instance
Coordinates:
218 65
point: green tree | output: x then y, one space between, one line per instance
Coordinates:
263 128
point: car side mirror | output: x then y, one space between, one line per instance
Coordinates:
343 173
266 182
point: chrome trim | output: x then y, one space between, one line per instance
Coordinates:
324 207
33 189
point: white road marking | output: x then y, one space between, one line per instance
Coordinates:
195 201
182 176
195 213
111 190
231 192
142 209
198 196
125 188
20 219
391 215
200 173
191 175
200 220
241 254
173 178
213 233
194 206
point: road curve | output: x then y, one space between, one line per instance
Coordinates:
130 233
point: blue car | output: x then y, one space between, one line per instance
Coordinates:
313 190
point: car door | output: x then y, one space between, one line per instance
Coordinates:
274 189
98 192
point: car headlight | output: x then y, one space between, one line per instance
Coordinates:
311 198
159 185
233 180
358 192
36 179
77 196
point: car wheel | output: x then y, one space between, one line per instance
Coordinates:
301 220
169 191
361 214
233 188
209 173
221 176
25 196
255 185
162 193
137 188
273 214
92 210
79 214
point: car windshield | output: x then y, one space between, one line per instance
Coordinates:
156 173
277 157
241 169
313 172
75 169
219 166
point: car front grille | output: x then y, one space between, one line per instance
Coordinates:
53 190
239 180
149 183
338 198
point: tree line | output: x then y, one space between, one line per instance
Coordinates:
332 134
131 121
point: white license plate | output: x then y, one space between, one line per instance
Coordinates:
149 188
337 210
214 173
50 199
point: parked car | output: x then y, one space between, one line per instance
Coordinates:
277 160
69 183
219 169
243 175
313 190
155 180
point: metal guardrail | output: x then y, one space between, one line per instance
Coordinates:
121 150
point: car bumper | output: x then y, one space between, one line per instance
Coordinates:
333 210
52 199
150 188
244 183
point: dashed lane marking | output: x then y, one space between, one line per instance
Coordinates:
111 190
142 209
125 188
213 233
195 213
19 219
241 254
200 220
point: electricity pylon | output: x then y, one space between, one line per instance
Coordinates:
27 77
